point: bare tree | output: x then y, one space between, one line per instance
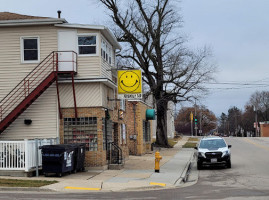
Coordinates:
152 41
260 100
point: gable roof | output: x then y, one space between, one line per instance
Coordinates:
8 19
15 16
14 19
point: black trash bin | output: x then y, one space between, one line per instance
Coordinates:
79 157
58 159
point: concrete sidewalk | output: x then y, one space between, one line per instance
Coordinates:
138 173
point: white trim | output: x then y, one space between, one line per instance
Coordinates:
104 30
106 81
96 44
22 49
27 22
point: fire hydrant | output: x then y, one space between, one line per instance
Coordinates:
157 161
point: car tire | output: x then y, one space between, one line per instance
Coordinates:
229 164
199 166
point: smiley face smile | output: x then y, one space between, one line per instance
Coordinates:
136 81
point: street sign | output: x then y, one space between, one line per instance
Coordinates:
130 84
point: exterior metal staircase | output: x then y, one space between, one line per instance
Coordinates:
33 85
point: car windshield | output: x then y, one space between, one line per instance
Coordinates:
212 144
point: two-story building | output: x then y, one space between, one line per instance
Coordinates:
57 80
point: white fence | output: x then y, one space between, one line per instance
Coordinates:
22 155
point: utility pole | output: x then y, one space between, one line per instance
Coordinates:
191 124
200 131
256 123
195 118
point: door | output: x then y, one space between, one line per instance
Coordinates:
67 41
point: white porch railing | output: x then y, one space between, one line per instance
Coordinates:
22 155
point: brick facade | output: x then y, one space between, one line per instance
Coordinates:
135 116
96 158
264 129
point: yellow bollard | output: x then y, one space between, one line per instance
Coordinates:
157 161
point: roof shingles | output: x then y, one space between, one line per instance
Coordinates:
14 16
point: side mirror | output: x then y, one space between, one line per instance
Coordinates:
196 148
229 146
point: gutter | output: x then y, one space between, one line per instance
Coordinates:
30 22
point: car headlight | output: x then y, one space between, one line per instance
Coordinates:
201 154
225 153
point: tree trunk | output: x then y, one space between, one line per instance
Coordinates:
161 134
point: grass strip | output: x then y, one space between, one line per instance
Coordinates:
189 145
24 183
193 139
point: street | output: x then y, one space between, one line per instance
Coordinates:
247 179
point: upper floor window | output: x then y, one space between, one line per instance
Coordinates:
30 49
87 45
106 51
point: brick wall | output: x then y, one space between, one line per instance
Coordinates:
264 130
96 158
135 128
92 158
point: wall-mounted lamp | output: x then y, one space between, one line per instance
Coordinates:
27 121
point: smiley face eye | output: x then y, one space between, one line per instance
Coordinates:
126 76
131 76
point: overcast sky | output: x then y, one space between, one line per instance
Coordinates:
237 31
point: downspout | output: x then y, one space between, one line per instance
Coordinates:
135 142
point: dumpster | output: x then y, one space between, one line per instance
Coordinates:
79 157
58 159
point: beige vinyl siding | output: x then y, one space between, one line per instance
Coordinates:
43 113
107 92
87 95
90 66
12 71
106 70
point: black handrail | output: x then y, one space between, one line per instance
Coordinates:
118 151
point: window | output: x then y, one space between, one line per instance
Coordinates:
106 51
81 130
107 127
146 131
30 49
87 45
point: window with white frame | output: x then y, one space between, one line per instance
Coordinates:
87 44
106 51
30 49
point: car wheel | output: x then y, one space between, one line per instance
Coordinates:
199 165
229 164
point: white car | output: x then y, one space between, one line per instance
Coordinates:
213 151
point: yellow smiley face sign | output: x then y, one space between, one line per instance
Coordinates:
129 82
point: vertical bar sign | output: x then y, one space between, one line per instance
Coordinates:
191 116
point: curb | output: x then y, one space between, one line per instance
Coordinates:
28 189
184 176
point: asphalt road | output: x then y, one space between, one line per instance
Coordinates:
247 179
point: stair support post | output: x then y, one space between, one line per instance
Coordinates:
74 95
